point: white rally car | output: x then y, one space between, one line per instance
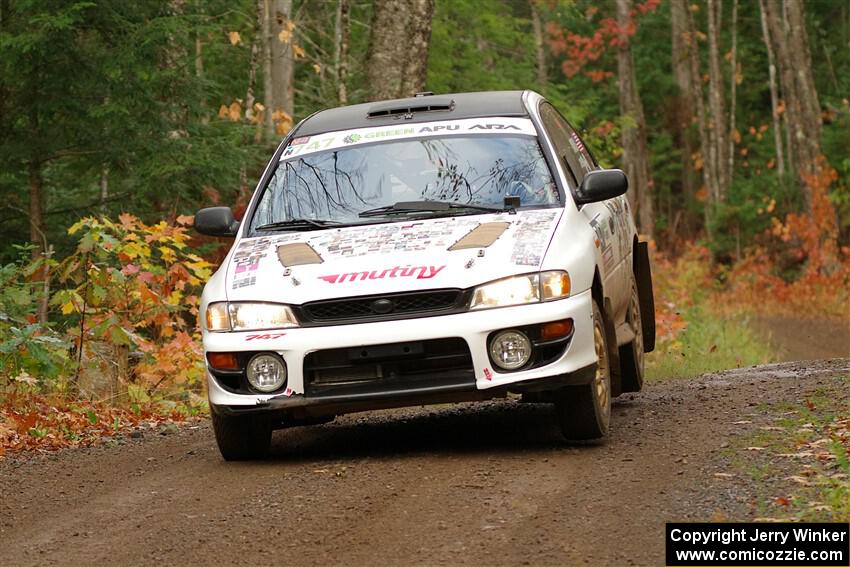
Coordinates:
426 250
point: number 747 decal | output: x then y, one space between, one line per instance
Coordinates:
264 337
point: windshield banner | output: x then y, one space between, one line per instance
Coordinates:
304 145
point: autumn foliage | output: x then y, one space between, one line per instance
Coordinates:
137 286
819 285
581 51
126 309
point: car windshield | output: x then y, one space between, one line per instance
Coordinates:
336 186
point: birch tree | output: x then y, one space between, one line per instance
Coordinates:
789 40
635 152
683 44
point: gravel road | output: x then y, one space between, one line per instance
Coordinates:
486 484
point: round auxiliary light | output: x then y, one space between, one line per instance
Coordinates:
510 350
266 372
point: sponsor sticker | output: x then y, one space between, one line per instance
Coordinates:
332 140
418 272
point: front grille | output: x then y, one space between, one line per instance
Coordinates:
382 307
373 369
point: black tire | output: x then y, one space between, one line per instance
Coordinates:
643 279
632 353
242 437
584 411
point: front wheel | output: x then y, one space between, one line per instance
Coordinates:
242 437
584 411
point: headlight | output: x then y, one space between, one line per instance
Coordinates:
519 290
246 316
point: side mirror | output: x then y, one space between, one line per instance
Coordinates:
216 221
601 185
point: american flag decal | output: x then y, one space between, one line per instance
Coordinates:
576 142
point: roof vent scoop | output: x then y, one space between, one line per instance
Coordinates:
407 108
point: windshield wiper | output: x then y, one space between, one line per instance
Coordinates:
426 207
299 224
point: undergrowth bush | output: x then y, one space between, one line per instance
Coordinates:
137 286
32 354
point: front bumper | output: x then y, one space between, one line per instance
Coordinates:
473 327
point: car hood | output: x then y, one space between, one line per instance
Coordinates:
451 252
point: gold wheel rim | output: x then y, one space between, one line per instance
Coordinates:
601 382
637 327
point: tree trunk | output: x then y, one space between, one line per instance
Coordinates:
709 173
802 109
387 41
810 111
635 152
774 96
104 187
36 212
717 126
688 90
342 37
537 26
282 64
415 70
263 13
398 47
732 95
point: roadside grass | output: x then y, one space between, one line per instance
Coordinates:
801 463
710 342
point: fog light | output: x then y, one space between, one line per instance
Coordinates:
510 350
556 330
266 372
223 360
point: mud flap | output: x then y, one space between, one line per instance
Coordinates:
643 278
613 350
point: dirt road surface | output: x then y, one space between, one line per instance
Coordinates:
793 338
490 484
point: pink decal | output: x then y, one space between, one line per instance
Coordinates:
487 374
419 272
288 392
264 337
433 272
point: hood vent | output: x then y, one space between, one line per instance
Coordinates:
297 254
481 236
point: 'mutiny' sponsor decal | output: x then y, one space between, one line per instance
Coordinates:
418 272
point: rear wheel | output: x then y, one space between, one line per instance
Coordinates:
584 411
242 437
632 354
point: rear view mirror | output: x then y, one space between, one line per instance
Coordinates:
602 185
216 221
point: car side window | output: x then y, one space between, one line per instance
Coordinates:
569 145
585 158
560 137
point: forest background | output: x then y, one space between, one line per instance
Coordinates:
119 120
